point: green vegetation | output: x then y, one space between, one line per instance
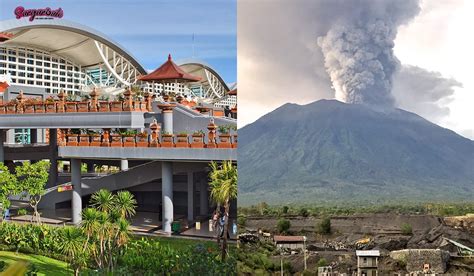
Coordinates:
256 259
37 263
317 210
303 212
406 229
103 243
29 180
223 190
283 226
321 262
241 220
324 226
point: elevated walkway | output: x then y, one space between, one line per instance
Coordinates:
129 119
118 181
146 153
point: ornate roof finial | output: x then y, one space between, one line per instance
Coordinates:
169 56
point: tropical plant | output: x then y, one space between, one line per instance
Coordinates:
103 200
125 204
71 246
223 190
32 179
223 129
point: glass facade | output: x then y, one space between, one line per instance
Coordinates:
33 67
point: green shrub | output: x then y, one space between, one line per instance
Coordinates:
3 265
283 226
241 220
324 227
285 209
322 262
303 212
22 212
406 229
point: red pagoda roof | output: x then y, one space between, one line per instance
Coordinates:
233 92
169 71
5 36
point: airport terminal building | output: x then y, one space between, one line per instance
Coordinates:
73 96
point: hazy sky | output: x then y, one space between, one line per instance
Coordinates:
151 29
280 61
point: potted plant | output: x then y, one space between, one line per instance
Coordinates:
167 139
71 103
142 139
234 140
2 108
128 138
197 139
116 139
83 105
72 138
11 106
50 105
84 138
182 140
104 105
224 136
29 105
95 138
117 105
39 106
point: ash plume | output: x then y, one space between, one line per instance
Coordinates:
358 49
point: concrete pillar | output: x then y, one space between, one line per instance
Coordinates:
168 121
203 199
190 197
90 168
167 195
33 136
76 203
167 113
53 169
123 164
2 149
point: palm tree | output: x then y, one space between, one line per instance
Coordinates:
89 224
125 204
71 246
223 189
103 200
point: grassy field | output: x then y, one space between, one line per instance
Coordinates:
45 266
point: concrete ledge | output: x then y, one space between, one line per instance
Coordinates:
142 153
133 119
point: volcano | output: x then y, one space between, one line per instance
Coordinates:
329 151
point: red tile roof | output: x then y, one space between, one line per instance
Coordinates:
170 72
288 238
5 36
233 92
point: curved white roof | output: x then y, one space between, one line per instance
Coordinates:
71 40
195 67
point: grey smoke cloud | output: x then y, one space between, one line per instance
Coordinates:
358 51
280 61
424 92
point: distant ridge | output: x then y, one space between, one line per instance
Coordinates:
329 151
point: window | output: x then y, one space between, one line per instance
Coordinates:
12 59
22 136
